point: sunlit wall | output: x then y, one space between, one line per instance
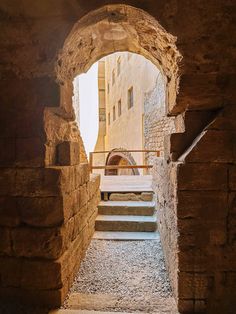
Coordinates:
85 102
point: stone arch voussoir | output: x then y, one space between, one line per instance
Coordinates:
113 28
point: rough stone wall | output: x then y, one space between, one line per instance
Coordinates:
48 205
206 218
48 202
156 123
164 179
32 35
45 231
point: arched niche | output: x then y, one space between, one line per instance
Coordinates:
115 157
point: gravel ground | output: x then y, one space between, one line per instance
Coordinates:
130 270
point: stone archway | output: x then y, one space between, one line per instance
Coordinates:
110 29
115 28
40 199
101 32
116 158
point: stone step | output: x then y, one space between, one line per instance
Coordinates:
138 208
125 236
68 311
126 223
126 196
100 303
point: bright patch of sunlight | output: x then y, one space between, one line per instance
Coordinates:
86 107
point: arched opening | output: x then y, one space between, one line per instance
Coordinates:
117 28
49 200
116 158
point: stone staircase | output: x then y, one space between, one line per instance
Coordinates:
126 216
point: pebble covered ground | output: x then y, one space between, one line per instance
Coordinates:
133 271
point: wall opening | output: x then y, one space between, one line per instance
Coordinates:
116 29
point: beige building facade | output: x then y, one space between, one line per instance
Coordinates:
131 91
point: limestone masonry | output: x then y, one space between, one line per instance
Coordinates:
48 200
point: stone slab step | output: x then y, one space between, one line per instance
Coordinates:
143 196
126 183
68 311
109 303
126 208
125 236
126 223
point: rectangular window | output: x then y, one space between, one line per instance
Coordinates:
130 97
113 77
108 88
114 113
109 119
118 66
119 108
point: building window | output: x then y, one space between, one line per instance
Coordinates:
109 119
118 66
114 113
130 97
108 88
113 77
119 108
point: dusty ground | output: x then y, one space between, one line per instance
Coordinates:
123 276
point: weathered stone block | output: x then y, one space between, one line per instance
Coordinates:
202 236
185 305
41 91
32 242
213 146
48 274
41 211
208 258
202 176
8 153
232 219
205 205
10 271
30 152
48 211
8 212
124 197
82 174
71 203
80 220
7 181
232 178
194 260
146 197
38 182
68 153
194 285
31 96
226 120
93 184
198 93
52 181
200 306
83 195
5 242
21 296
